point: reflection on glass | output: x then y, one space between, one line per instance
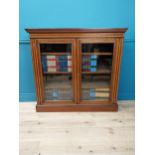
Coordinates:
96 71
59 63
93 63
95 87
56 60
97 48
55 48
58 87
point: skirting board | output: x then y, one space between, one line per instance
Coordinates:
76 107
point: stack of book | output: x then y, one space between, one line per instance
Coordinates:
89 63
99 92
51 63
63 63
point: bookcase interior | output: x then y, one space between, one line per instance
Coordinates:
95 75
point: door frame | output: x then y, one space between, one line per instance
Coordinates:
95 40
39 69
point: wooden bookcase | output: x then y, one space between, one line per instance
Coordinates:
76 69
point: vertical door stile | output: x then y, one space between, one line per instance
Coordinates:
77 59
79 52
74 70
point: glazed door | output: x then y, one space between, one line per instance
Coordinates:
95 70
58 70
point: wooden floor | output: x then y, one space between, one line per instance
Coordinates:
77 133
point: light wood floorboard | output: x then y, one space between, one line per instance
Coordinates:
77 133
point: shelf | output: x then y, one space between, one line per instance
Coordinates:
96 85
105 71
54 53
96 82
60 73
63 53
57 84
99 53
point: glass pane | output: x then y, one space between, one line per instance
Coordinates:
56 62
97 48
96 71
58 87
96 63
95 87
55 48
56 58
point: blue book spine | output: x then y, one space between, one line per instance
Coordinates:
44 63
93 63
92 93
93 56
63 63
93 69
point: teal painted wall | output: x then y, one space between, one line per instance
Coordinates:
78 14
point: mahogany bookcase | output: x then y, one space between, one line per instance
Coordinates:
76 69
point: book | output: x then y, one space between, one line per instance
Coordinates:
89 63
93 63
92 93
69 63
94 57
62 63
51 63
44 63
51 69
102 94
102 89
86 63
51 60
93 69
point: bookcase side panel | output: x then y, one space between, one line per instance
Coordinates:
37 71
116 68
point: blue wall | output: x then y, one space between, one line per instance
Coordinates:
82 14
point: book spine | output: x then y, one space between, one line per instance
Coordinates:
52 69
93 63
102 94
51 60
92 93
44 63
51 63
86 63
56 63
69 63
102 89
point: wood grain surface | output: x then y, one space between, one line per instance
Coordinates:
77 133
